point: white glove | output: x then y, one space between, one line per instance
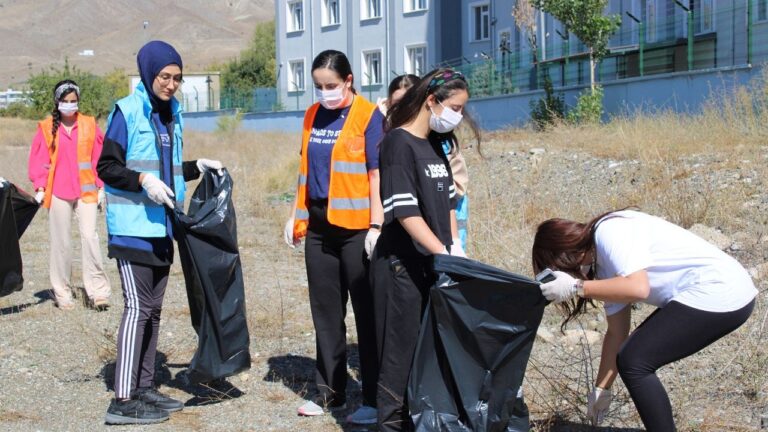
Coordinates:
40 196
598 402
208 164
101 199
157 191
457 250
2 181
561 289
288 234
370 241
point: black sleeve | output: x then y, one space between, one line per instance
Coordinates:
189 168
399 185
111 166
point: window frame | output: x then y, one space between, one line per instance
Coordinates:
291 75
365 69
364 8
325 13
698 26
757 18
472 24
409 68
407 6
290 19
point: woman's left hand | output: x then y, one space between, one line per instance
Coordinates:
101 200
561 289
209 164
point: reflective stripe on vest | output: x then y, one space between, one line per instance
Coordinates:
86 137
348 188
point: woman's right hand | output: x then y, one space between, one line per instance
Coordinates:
40 196
598 402
288 234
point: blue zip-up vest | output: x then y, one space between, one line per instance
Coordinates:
133 213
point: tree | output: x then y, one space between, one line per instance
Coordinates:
257 65
525 21
585 19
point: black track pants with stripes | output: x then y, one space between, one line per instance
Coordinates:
143 291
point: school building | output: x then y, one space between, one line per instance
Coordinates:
386 38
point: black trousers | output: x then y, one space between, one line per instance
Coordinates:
401 290
143 291
669 334
337 269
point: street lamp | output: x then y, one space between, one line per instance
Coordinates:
208 82
641 41
296 90
689 17
566 52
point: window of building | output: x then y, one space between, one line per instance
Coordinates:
416 59
295 15
652 20
481 22
762 10
372 67
296 77
330 12
414 5
703 16
370 9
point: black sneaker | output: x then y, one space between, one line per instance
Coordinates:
151 396
133 412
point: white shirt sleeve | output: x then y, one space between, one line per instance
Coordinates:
623 247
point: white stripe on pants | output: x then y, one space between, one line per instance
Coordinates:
60 225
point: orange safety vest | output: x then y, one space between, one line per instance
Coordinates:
349 203
86 136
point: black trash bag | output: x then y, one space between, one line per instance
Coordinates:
210 260
17 209
475 340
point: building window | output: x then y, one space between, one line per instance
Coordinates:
762 10
295 15
370 9
414 5
416 60
296 77
331 15
371 67
481 22
704 16
652 18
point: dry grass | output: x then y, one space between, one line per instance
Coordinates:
689 169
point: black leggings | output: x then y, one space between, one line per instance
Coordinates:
667 335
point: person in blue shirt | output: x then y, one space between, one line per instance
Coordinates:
142 169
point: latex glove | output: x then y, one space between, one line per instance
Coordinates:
561 289
40 196
598 402
157 191
102 199
370 241
288 234
457 250
208 164
2 181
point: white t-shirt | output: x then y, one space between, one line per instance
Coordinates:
680 265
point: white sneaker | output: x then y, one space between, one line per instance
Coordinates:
310 409
363 416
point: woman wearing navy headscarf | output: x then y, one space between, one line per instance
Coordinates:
142 169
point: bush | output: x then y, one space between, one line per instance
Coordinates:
547 110
589 108
228 125
19 110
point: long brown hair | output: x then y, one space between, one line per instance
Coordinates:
560 244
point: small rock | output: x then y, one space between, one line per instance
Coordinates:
537 151
759 272
244 377
711 235
545 335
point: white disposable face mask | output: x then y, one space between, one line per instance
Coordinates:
330 99
447 121
67 108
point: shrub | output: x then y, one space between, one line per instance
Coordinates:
547 110
589 108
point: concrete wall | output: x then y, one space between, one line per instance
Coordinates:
679 92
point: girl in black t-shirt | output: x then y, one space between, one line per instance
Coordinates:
419 199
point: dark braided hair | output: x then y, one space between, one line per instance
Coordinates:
55 113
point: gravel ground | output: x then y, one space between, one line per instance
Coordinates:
56 367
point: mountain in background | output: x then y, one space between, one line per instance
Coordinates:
36 34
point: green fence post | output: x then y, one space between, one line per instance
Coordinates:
749 31
690 39
641 48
